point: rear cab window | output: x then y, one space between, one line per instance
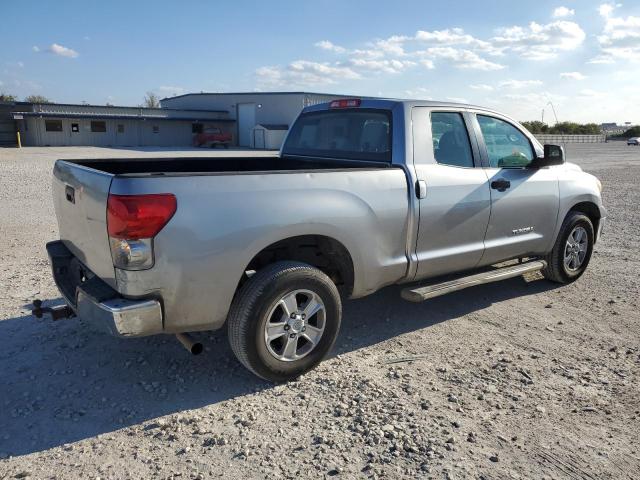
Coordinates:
355 134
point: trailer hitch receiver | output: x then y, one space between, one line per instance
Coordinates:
57 313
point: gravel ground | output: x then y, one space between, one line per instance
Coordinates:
518 379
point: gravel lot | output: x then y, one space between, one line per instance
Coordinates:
519 379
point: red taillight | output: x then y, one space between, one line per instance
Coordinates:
139 216
345 103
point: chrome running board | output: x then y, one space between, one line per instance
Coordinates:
420 294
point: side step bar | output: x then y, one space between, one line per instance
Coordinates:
420 294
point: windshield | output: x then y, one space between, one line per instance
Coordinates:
356 134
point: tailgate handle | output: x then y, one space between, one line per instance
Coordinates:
70 193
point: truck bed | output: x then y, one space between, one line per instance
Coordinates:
212 165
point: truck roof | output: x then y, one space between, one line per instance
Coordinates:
390 103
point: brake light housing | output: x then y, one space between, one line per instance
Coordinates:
345 103
132 223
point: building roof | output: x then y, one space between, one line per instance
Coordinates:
259 93
128 107
106 116
273 126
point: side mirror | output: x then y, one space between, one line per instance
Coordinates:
553 155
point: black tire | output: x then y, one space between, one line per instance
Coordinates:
250 311
556 270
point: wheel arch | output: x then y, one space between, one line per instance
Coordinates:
591 210
323 252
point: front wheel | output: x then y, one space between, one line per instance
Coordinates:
284 320
572 251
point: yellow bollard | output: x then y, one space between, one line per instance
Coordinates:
18 137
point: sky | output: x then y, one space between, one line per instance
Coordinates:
519 57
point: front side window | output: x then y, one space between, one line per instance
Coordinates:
354 134
450 139
53 125
506 145
98 126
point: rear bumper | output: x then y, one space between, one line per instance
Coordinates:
98 303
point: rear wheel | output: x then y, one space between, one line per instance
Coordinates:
572 251
284 320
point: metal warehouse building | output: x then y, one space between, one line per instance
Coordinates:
255 120
65 124
252 109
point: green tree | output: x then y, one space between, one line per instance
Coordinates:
151 100
6 97
632 132
536 126
36 99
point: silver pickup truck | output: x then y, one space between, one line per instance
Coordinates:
365 193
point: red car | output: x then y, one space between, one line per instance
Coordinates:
211 137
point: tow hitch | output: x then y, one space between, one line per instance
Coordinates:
57 313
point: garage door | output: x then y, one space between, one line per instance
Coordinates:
246 122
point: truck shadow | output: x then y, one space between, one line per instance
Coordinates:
63 382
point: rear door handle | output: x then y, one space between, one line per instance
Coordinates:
501 184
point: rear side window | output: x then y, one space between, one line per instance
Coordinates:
356 134
451 144
506 145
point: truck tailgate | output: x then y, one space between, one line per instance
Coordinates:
80 200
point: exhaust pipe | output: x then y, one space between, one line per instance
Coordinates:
189 343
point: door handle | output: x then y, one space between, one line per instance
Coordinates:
421 189
501 184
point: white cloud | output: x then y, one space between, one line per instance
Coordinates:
20 64
620 38
35 48
428 64
62 51
519 84
393 45
562 12
456 36
573 76
461 58
482 86
386 66
304 73
606 9
332 47
541 42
